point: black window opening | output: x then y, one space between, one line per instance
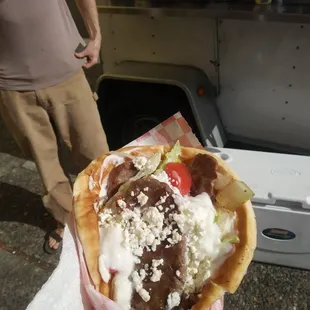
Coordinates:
129 109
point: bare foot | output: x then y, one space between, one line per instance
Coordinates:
52 242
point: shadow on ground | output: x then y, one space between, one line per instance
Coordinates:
24 267
7 144
19 205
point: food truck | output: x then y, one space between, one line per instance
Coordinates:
240 75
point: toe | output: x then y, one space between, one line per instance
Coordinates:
52 242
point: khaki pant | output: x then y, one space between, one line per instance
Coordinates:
73 109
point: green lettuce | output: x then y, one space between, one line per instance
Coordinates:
231 239
216 218
171 157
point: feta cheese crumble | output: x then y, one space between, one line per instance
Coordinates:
142 199
139 162
173 300
144 229
138 286
196 221
121 203
156 273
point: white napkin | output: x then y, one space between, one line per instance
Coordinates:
63 289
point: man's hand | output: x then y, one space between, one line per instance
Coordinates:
91 53
88 10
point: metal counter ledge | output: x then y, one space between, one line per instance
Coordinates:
278 12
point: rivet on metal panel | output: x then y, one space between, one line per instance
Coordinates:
283 118
153 35
301 26
286 102
114 48
290 85
152 17
297 47
112 32
294 67
200 91
154 53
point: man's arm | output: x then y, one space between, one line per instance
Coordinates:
89 13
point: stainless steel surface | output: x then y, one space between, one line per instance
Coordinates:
274 12
265 82
177 41
264 69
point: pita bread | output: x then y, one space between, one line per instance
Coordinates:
229 275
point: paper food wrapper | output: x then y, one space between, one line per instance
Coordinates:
174 129
171 130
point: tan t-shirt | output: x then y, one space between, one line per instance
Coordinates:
38 39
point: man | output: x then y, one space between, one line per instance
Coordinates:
41 80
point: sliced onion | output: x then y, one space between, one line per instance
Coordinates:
234 195
150 167
221 181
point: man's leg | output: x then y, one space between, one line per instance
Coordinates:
76 116
25 116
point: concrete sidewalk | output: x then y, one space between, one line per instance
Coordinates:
23 265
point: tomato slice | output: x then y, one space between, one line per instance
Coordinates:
179 177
